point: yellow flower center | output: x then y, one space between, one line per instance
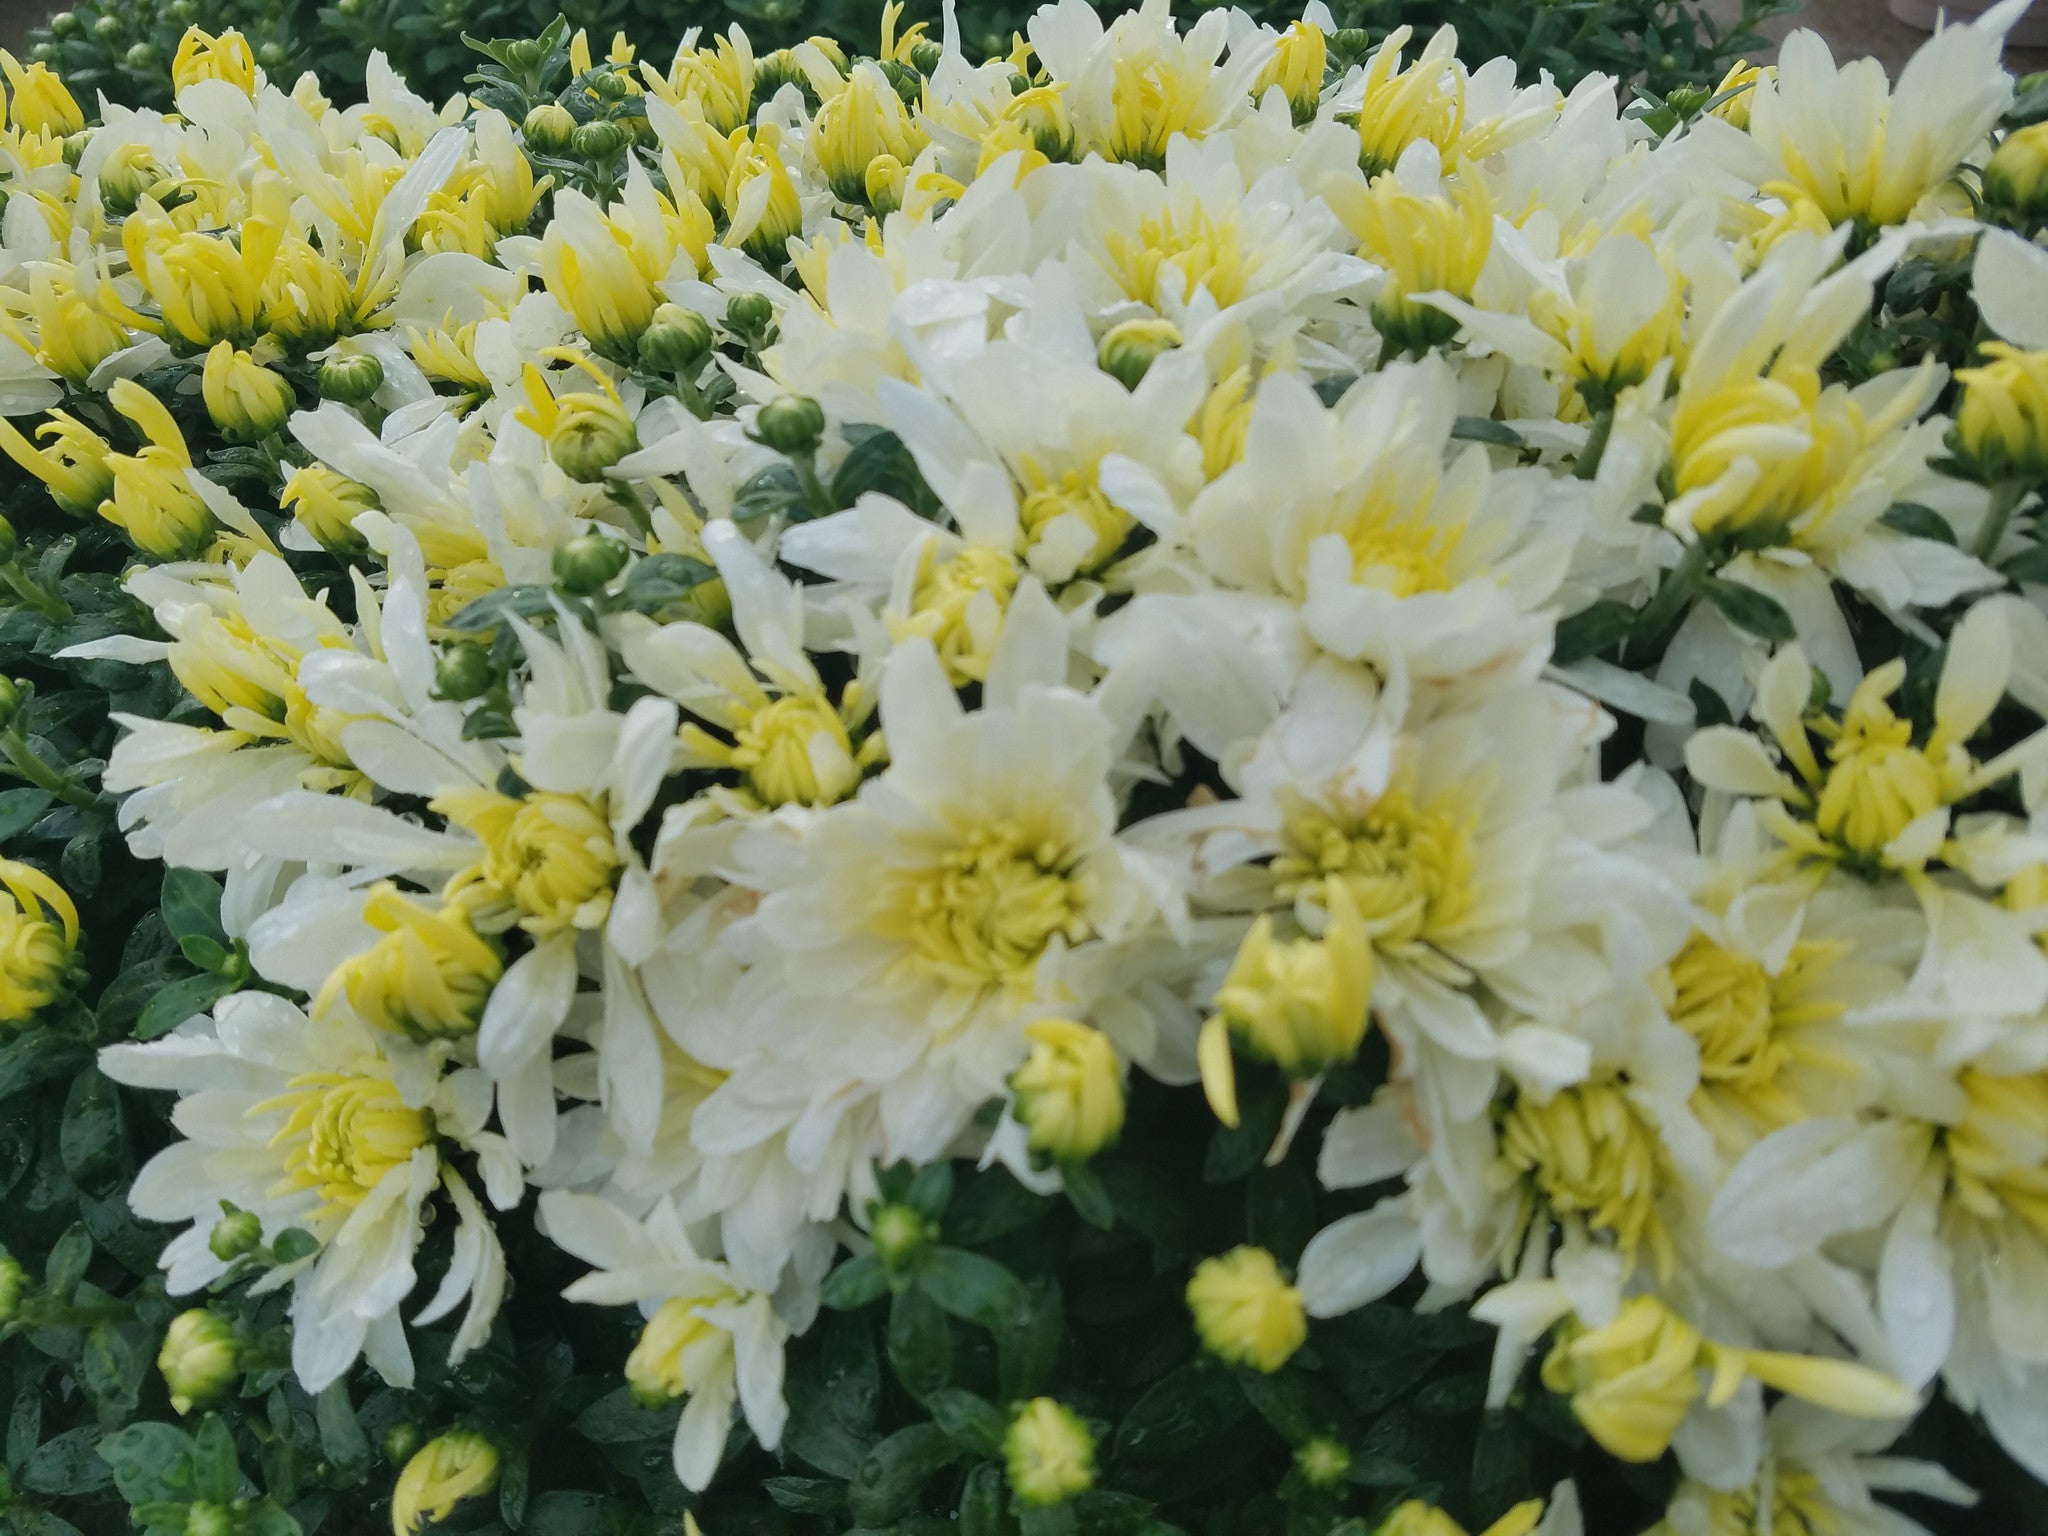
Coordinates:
1748 1023
1203 252
1799 1507
550 855
773 749
226 665
1590 1152
987 906
958 604
1878 782
1998 1156
428 976
656 1369
1071 493
1151 102
342 1135
1408 867
1220 425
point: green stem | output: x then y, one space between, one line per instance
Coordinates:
815 493
1596 445
2005 496
24 763
1662 613
48 604
636 509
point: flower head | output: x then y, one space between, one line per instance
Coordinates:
38 932
1245 1311
1069 1091
441 1474
428 976
1049 1453
198 1359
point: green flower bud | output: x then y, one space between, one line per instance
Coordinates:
587 562
272 55
74 147
597 141
677 340
1129 350
1323 1462
792 424
549 127
464 672
236 1233
608 86
1049 1454
592 433
107 27
401 1440
2016 177
10 702
209 1519
351 377
65 24
141 56
198 1358
13 1281
925 55
524 54
183 12
900 1233
749 313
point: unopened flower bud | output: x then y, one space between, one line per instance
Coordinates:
326 504
1069 1092
464 672
401 1440
676 341
1323 1462
1245 1311
1048 1453
2016 177
792 424
198 1358
351 377
13 1281
1128 352
246 400
236 1233
74 147
925 55
524 53
207 1518
899 1234
128 173
588 561
884 182
597 141
549 127
10 702
749 313
592 432
2001 427
440 1475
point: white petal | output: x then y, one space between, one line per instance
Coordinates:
1359 1258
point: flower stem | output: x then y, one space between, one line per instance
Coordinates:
1661 614
23 762
1596 445
2005 496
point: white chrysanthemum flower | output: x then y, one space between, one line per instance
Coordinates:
334 1129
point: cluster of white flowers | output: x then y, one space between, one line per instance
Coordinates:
657 815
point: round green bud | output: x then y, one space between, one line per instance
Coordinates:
1324 1462
293 1244
525 53
351 377
13 1281
2016 177
677 340
10 702
236 1233
1350 40
107 27
609 86
1687 100
597 141
209 1519
925 55
43 53
8 542
899 1234
591 434
587 562
182 11
549 127
1130 349
272 55
65 24
401 1440
792 424
198 1359
749 313
74 148
464 672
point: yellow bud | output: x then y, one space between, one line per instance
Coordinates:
866 120
202 56
151 500
883 183
429 976
39 103
1245 1311
549 856
38 932
1049 1453
659 1368
1632 1382
2002 425
246 400
1069 1091
1747 76
440 1475
2016 177
198 1358
1299 60
1130 348
125 176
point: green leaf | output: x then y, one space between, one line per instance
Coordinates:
1748 609
207 954
1591 631
855 1283
970 1286
72 1463
931 1189
149 1461
1028 1344
1484 429
112 1369
1186 1408
774 490
806 1495
1282 1401
1909 517
655 581
888 1481
182 1000
2029 565
191 905
1709 708
990 1205
973 1421
877 461
67 1261
982 1502
920 1342
1086 1194
617 1419
512 1487
93 1137
494 608
342 1440
19 808
215 1472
